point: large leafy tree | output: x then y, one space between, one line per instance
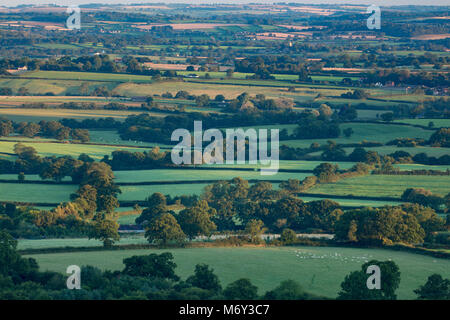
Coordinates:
436 288
12 265
354 286
241 289
205 278
288 290
164 228
254 229
152 265
385 225
105 230
156 205
196 220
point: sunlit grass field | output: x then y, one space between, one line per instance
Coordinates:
384 185
187 174
68 149
366 131
36 192
319 270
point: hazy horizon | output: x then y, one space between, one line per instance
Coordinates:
13 3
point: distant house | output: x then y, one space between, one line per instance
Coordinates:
18 70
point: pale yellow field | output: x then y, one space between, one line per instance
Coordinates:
68 113
211 89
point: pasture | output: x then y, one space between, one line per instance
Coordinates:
284 165
438 123
372 132
319 270
140 193
188 175
69 149
383 185
74 242
36 192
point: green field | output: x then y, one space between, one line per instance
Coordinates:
112 137
424 122
386 150
430 151
36 115
139 193
36 192
69 149
414 166
367 132
354 202
187 175
384 185
319 270
74 242
128 219
286 165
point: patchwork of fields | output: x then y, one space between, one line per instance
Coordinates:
271 66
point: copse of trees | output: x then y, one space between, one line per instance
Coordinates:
381 226
49 129
90 209
440 138
357 94
423 197
236 206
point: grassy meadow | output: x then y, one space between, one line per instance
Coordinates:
319 270
384 185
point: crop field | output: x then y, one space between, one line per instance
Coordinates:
319 270
42 86
61 87
229 88
90 76
384 185
18 100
